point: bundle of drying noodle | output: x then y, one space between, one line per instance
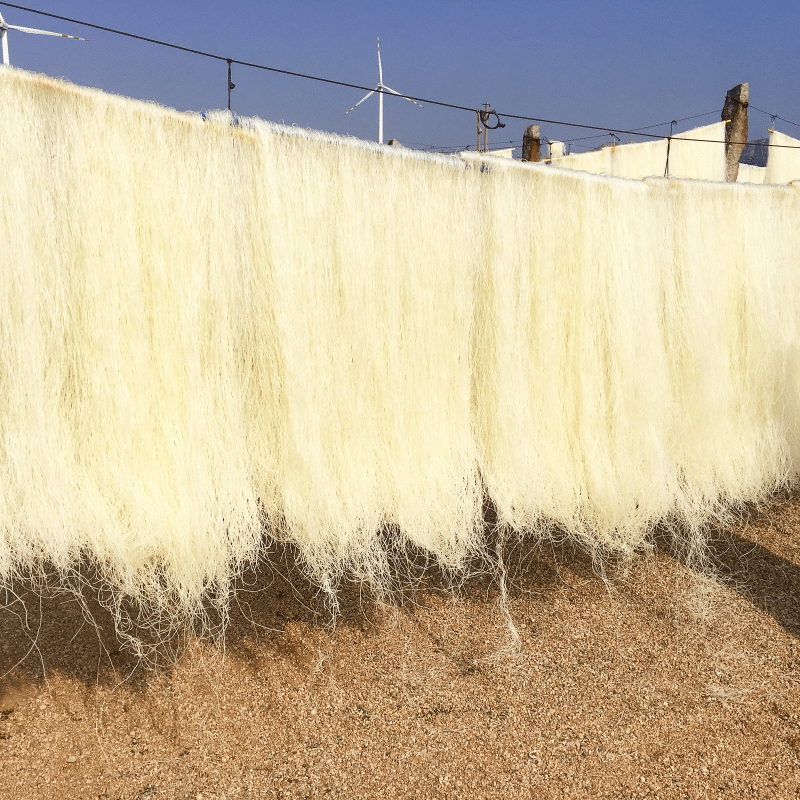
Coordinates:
598 162
213 334
749 173
640 363
205 329
783 161
698 153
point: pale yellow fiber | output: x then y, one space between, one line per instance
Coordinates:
639 364
749 173
215 335
597 162
783 161
698 153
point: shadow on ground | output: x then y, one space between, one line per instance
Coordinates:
760 560
73 634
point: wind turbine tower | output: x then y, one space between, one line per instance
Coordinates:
381 89
5 28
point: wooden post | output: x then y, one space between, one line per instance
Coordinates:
735 112
531 143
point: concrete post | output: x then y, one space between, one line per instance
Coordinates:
531 143
735 111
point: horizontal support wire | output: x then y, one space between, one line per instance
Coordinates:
524 117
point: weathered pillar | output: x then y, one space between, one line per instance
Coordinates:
735 111
531 143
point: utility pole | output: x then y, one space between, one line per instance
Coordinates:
486 131
531 143
735 113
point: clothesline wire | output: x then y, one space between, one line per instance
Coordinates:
643 128
600 135
331 81
774 116
518 142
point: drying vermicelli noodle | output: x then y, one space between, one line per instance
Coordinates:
749 173
215 333
698 153
783 161
598 162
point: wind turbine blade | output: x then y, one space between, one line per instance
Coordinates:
403 96
380 67
360 102
45 33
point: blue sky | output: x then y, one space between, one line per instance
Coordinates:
622 64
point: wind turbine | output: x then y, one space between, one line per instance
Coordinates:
380 89
5 28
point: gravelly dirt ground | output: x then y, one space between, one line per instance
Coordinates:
661 684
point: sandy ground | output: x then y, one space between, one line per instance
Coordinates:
661 684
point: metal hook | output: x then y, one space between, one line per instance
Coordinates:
231 85
669 142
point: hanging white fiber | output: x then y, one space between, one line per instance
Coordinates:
783 161
598 162
212 334
641 365
749 173
702 158
205 327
